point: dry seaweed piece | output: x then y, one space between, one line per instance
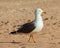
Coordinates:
6 22
54 23
14 26
7 29
58 42
2 22
0 33
23 47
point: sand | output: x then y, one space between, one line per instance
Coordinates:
14 13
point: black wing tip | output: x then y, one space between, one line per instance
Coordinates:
13 32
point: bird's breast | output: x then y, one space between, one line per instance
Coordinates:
39 26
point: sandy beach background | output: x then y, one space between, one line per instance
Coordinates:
14 13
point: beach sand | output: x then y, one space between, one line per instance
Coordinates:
14 13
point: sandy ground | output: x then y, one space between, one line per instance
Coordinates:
14 13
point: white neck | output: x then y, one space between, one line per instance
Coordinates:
38 18
38 21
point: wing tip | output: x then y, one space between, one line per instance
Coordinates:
13 32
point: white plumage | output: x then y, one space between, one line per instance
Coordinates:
38 20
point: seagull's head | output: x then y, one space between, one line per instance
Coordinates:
39 11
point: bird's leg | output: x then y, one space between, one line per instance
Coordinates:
31 36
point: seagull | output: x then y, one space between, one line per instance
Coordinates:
35 26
